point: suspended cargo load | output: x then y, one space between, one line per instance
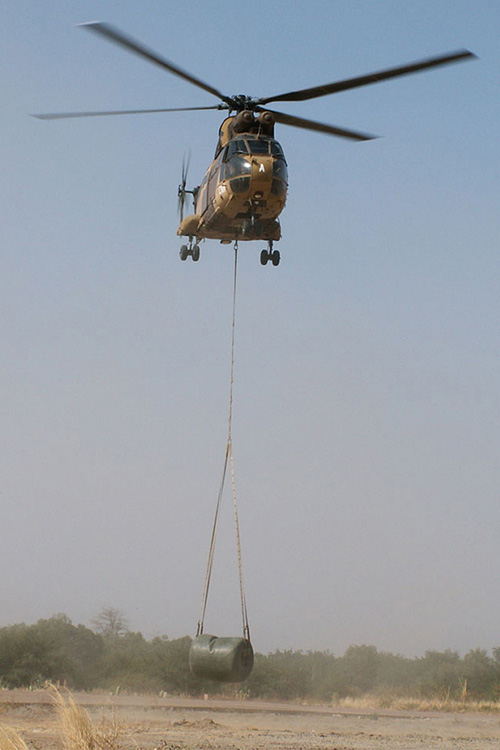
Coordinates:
221 659
211 657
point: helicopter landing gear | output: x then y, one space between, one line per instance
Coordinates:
192 250
270 255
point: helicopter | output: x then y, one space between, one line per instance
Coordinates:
245 187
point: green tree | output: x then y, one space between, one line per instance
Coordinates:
360 668
440 674
52 649
481 674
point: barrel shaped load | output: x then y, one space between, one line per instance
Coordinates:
221 659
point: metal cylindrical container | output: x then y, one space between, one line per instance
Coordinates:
221 659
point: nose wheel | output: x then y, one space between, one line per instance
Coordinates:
270 255
190 250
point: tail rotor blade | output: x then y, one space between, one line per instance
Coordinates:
182 192
186 161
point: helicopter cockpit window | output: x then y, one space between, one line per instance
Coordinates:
237 166
240 184
276 149
280 169
236 147
278 187
258 146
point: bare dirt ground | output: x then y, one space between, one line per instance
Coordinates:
153 723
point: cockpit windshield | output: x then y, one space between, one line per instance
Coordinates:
236 147
253 145
236 166
258 146
276 149
237 162
264 146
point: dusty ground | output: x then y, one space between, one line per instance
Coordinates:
152 723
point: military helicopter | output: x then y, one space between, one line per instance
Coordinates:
245 188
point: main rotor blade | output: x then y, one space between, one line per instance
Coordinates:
300 122
65 115
381 75
114 35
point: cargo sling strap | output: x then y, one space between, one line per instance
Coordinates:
228 459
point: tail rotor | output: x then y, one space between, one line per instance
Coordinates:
181 191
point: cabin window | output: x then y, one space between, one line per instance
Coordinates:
237 166
212 184
236 147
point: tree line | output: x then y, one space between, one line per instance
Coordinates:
111 657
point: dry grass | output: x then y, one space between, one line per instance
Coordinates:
454 706
445 704
11 740
78 732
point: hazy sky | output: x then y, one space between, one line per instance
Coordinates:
366 427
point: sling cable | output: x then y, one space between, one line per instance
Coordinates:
210 657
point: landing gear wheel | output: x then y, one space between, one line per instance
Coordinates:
270 255
195 254
184 252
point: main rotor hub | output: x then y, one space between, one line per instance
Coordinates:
242 101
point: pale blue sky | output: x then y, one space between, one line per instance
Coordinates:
366 418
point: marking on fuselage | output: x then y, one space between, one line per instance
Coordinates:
262 168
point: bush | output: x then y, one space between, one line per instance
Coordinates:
55 650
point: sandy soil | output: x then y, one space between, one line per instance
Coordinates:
152 723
